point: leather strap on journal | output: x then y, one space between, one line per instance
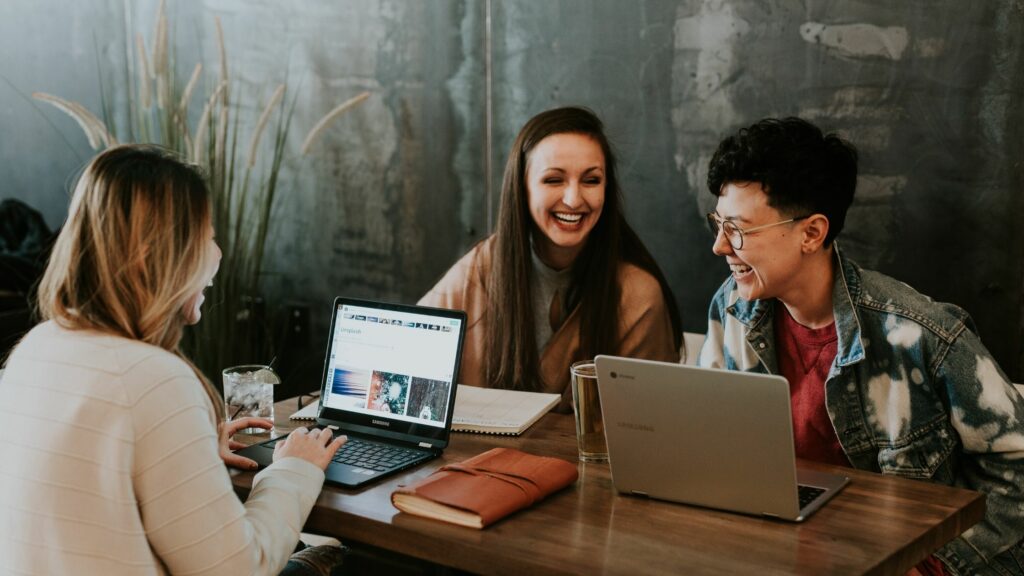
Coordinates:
529 487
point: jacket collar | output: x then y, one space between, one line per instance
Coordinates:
846 291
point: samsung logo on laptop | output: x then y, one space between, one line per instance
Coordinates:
381 422
634 426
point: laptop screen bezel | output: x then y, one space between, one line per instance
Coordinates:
436 437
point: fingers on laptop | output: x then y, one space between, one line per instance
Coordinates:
317 445
278 446
336 444
326 437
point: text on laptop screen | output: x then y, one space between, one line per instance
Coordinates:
393 364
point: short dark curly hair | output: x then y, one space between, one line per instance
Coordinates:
801 170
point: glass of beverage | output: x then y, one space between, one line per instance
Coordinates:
249 391
587 406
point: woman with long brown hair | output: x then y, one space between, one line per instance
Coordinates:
564 277
114 446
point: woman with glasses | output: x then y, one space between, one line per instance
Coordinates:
564 277
114 444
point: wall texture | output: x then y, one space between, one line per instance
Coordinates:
930 92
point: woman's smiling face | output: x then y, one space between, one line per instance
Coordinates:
193 311
565 179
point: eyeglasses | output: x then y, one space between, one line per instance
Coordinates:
734 234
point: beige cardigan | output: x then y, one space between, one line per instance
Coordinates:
645 329
109 465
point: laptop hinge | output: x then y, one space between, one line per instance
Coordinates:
639 493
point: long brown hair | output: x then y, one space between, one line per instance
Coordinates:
512 358
132 252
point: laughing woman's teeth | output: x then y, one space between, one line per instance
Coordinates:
571 218
739 268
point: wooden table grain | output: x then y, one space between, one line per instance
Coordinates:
877 525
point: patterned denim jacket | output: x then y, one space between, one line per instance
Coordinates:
912 392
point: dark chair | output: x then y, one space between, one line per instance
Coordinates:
25 243
16 318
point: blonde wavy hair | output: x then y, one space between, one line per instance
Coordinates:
132 252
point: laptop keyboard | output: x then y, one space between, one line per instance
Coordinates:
370 455
375 456
807 494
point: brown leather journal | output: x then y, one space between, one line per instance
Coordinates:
486 488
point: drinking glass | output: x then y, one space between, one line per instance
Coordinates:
587 406
249 391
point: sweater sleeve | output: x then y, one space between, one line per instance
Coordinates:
451 290
193 520
438 297
646 328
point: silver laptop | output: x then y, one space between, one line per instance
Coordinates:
714 438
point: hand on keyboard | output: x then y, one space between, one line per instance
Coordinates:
314 446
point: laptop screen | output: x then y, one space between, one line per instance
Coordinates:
392 368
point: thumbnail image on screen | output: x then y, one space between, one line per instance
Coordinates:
428 399
351 383
388 392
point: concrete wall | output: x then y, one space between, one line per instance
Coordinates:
930 92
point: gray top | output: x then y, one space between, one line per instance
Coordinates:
544 282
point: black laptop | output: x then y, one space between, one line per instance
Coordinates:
389 384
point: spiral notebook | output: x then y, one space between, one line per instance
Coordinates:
496 411
308 412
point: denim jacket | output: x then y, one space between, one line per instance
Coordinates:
913 392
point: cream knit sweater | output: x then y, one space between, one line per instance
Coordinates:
109 465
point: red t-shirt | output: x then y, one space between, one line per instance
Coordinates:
805 356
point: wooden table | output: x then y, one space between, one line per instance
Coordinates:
877 525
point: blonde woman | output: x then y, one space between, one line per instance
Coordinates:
112 460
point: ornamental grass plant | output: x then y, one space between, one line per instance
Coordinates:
243 169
